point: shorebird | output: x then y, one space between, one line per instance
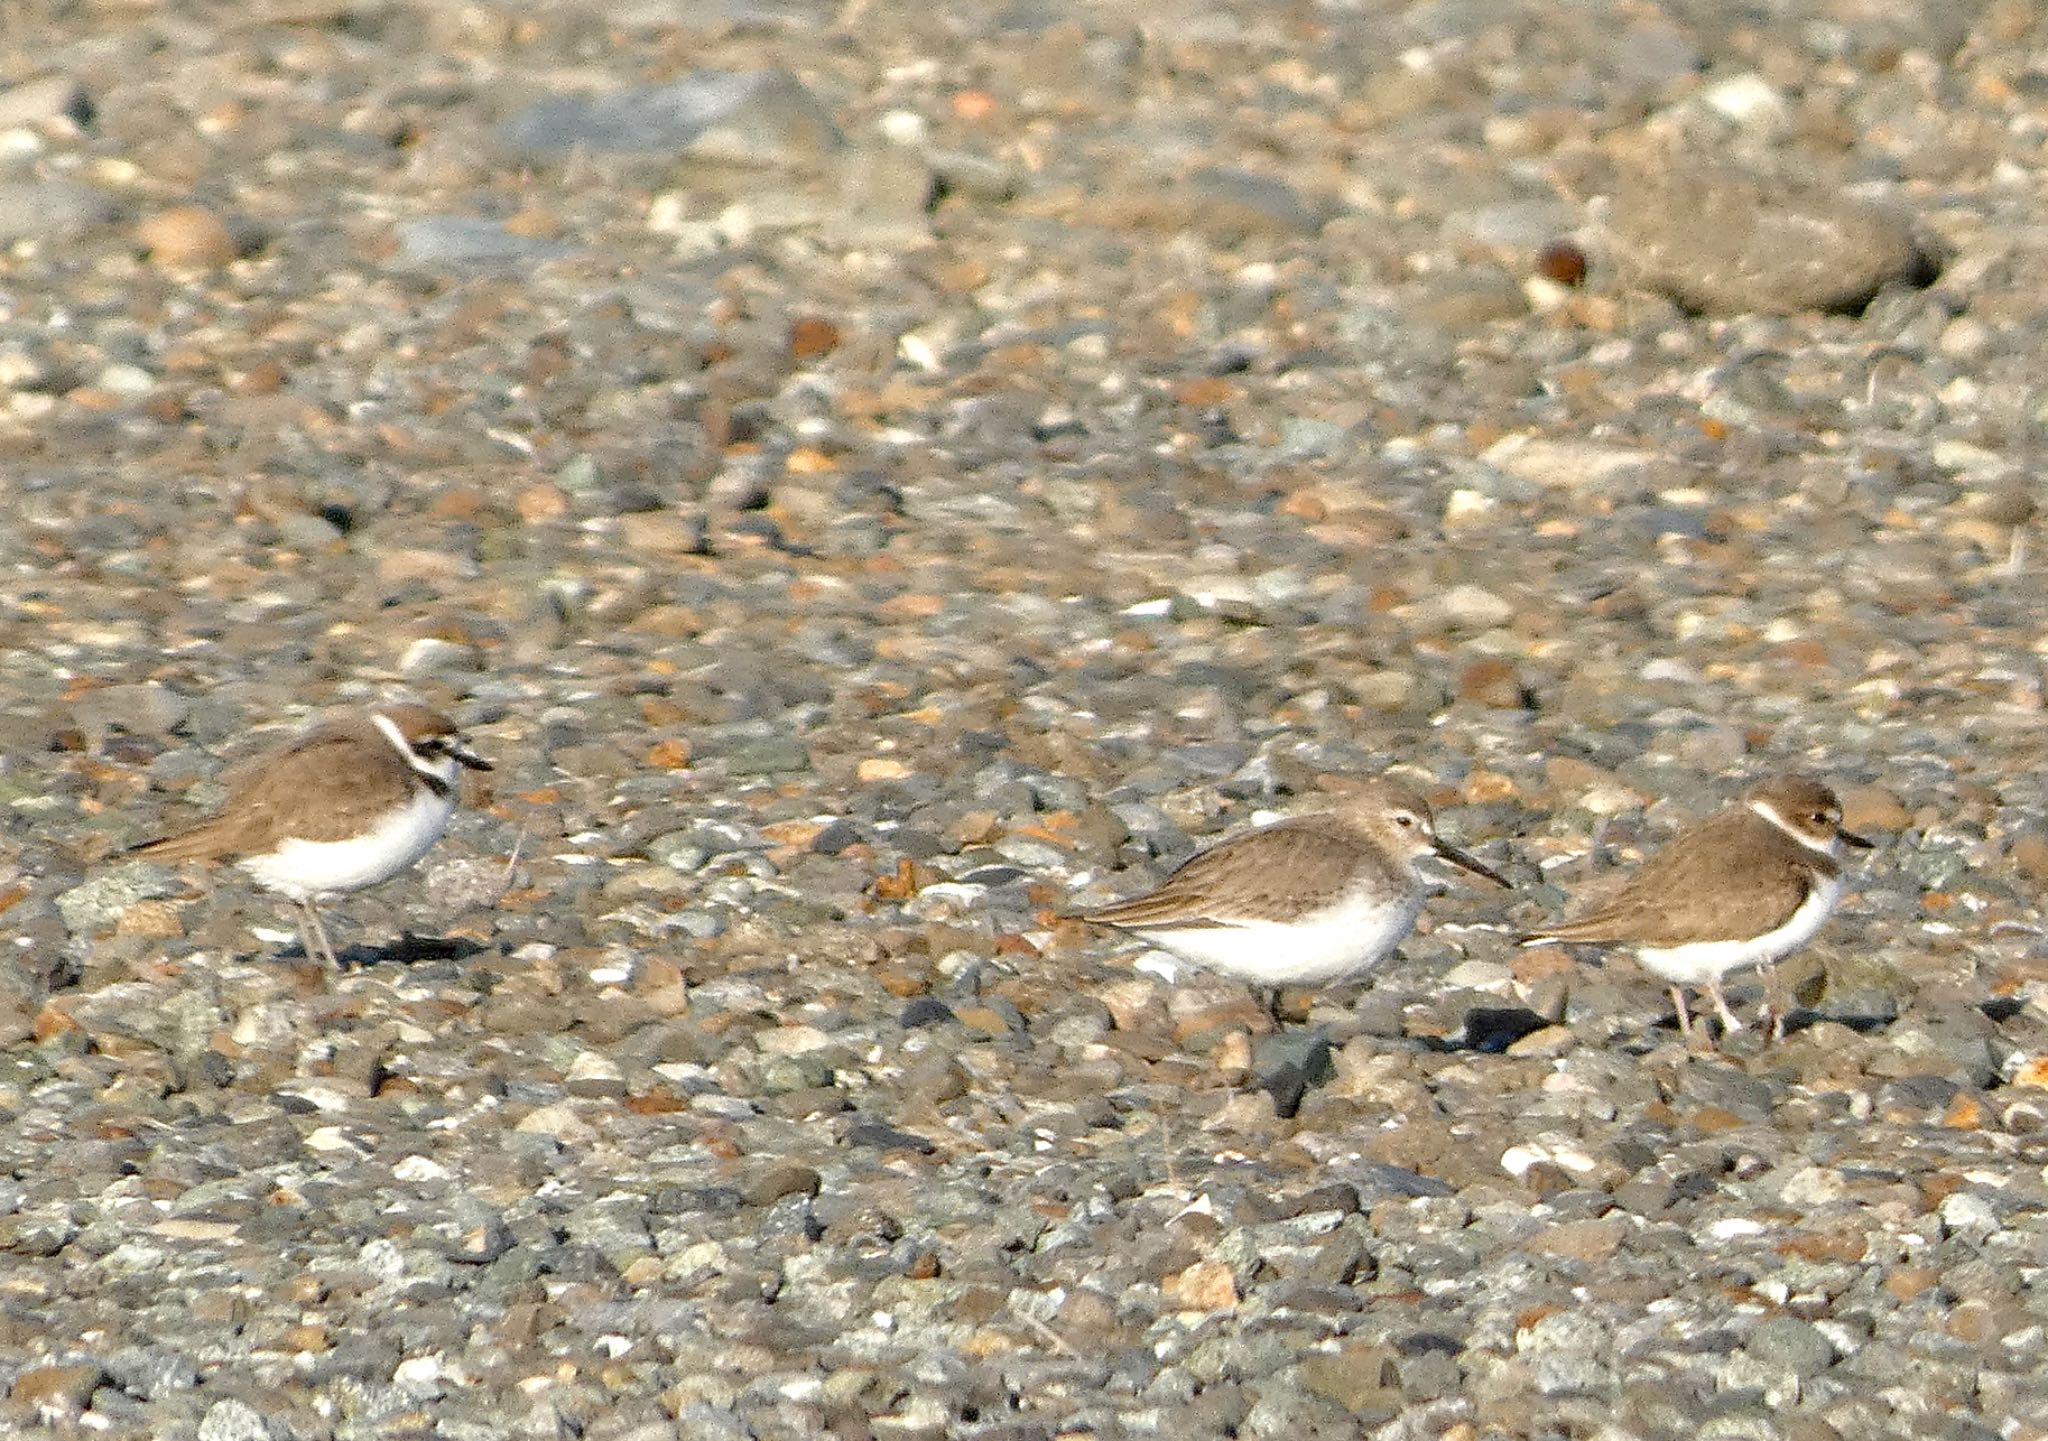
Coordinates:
346 806
1303 901
1744 887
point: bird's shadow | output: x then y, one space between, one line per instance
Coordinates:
1799 1018
1489 1030
407 950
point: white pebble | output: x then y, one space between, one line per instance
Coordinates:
1734 1228
420 1168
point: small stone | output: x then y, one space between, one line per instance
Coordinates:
772 1183
1230 205
1563 262
233 1420
1589 1241
1492 682
45 211
1567 463
1462 607
465 883
1290 1063
1134 1005
1871 811
60 1389
756 118
95 906
1790 1344
835 837
187 237
1204 1286
1775 247
2029 854
811 336
774 755
145 709
559 1122
1361 1376
924 1011
883 1137
468 242
160 919
483 1243
39 102
1968 1214
886 194
593 1074
430 655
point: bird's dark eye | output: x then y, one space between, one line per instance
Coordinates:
431 744
1404 821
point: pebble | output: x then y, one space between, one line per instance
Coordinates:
53 210
1781 247
187 237
1791 1344
96 905
461 242
232 1420
41 101
757 118
146 709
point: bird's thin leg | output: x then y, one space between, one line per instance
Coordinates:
1270 996
312 934
1729 1024
1684 1016
1776 1003
305 933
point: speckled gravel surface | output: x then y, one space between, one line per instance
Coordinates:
877 479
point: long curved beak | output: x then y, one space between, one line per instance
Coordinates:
1458 858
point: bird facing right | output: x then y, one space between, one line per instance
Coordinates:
1303 901
346 806
1744 887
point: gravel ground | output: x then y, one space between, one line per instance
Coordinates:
878 479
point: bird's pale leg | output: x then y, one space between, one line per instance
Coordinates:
1684 1016
312 933
1776 1003
1729 1024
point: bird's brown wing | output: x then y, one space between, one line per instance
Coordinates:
1272 874
207 841
318 788
1719 879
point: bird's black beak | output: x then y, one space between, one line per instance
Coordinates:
1851 839
1458 858
469 758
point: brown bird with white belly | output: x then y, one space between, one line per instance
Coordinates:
346 806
